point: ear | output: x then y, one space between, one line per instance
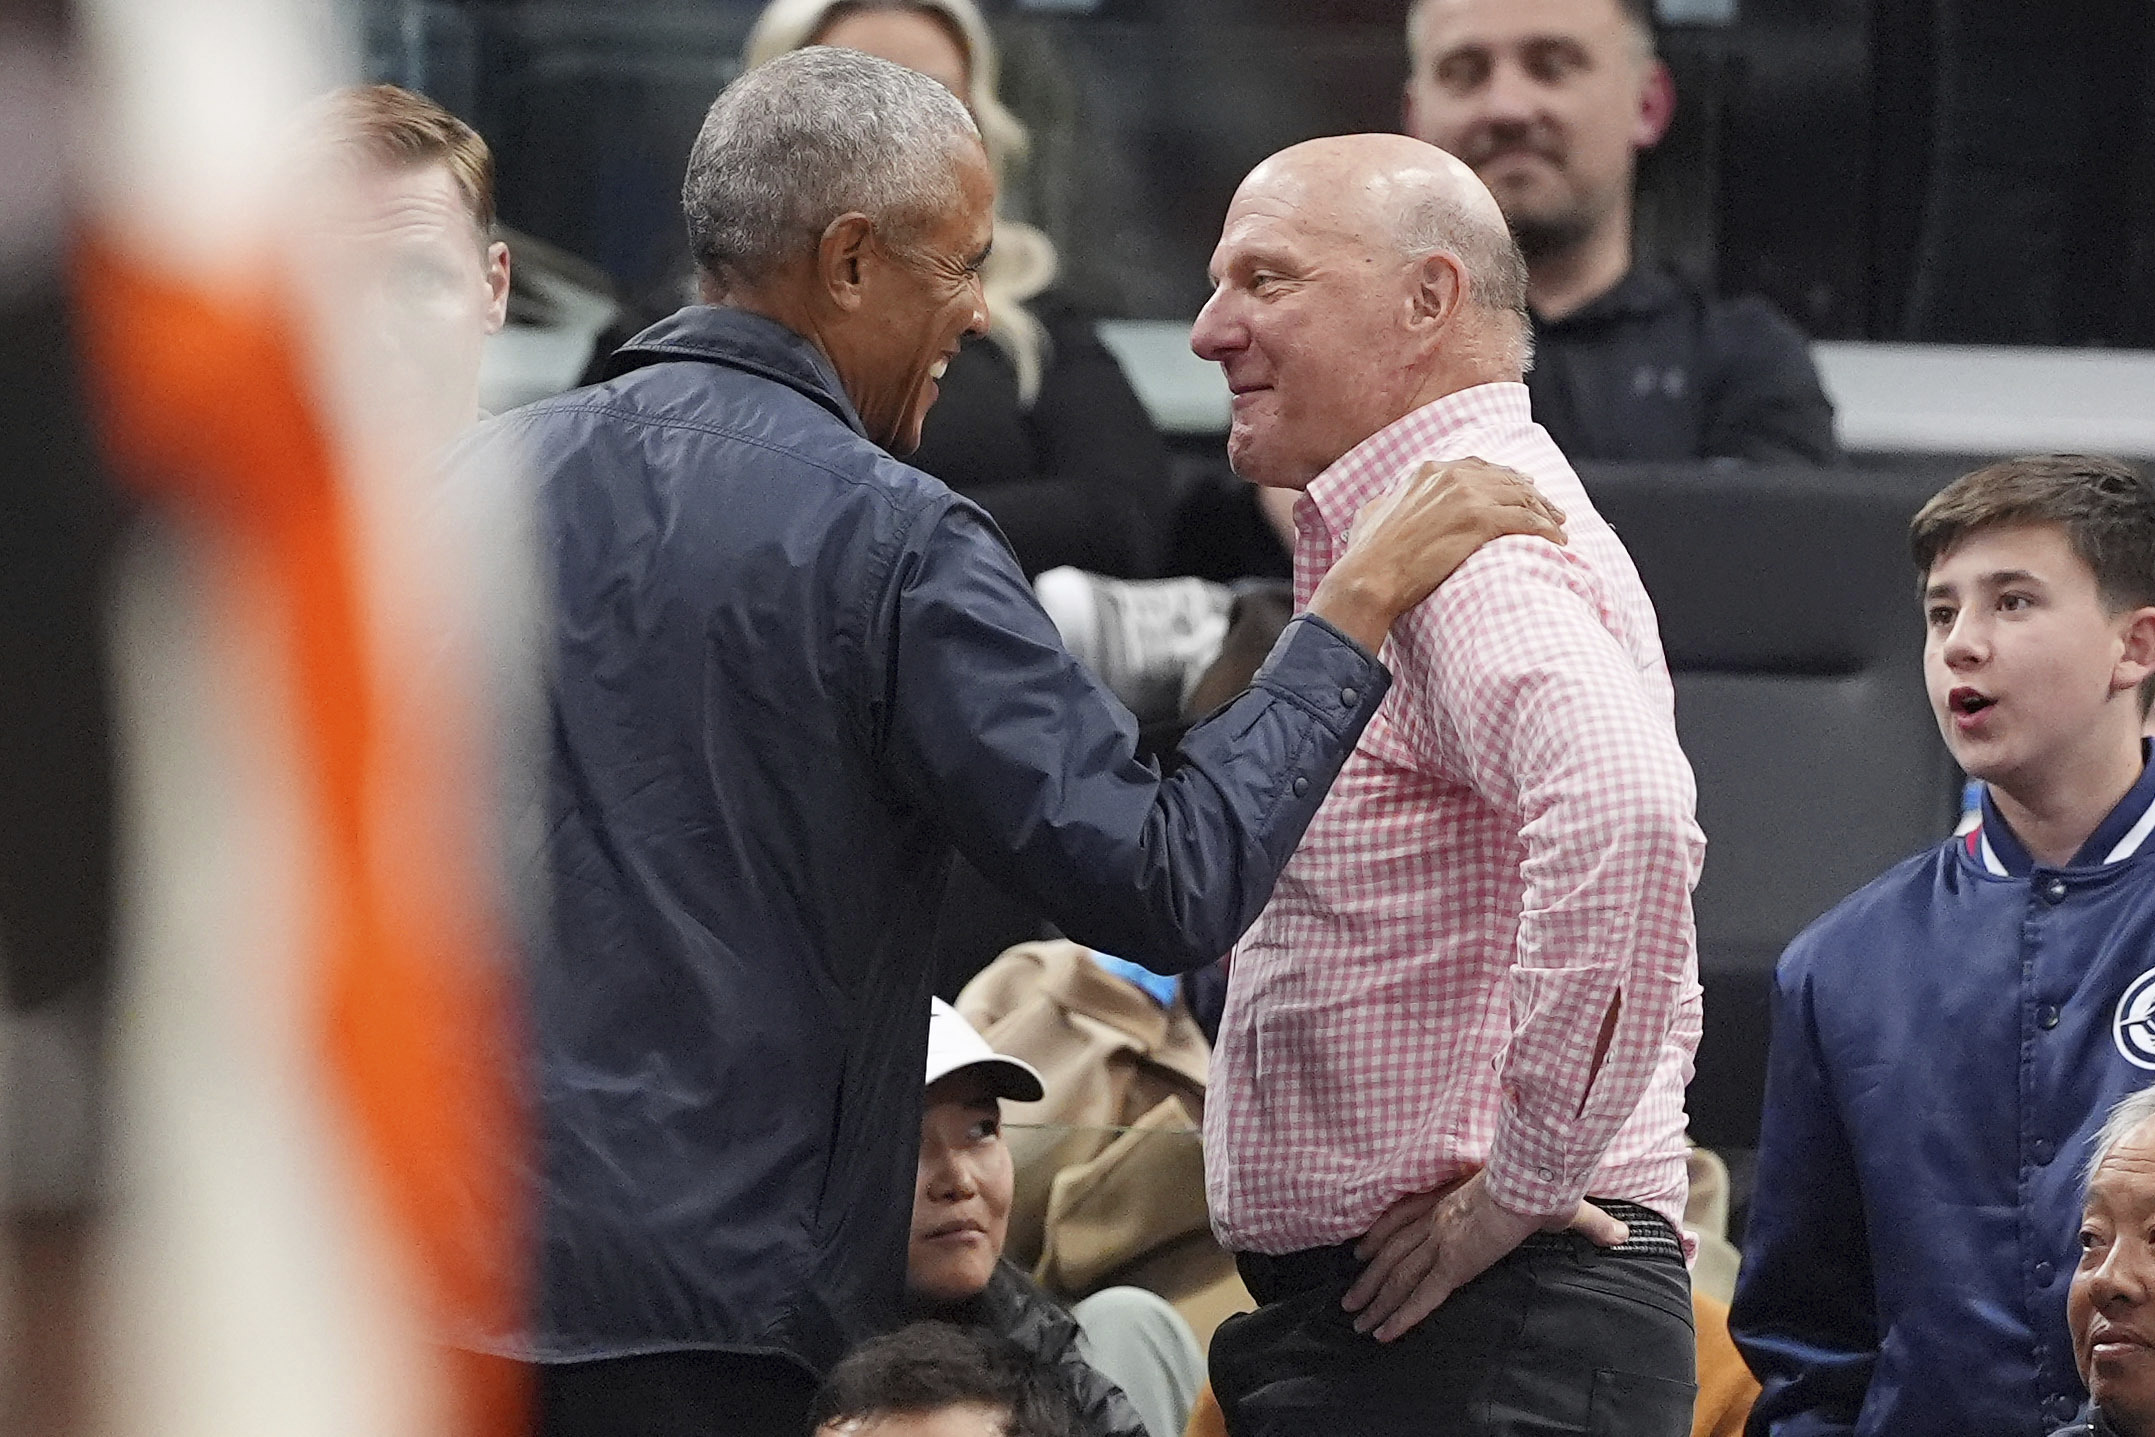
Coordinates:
1657 106
1440 288
2136 652
842 258
497 285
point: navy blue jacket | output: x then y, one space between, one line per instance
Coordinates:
1945 1044
788 675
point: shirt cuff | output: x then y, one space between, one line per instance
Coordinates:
1530 1171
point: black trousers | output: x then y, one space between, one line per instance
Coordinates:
674 1394
1560 1337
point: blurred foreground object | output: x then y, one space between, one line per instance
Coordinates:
55 762
314 1131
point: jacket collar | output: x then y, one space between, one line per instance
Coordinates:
740 340
1995 846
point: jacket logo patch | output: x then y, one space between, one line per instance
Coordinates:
2134 1025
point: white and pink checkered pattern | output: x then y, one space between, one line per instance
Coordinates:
1510 850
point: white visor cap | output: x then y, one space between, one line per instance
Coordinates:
953 1044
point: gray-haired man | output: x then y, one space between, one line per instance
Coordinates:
788 675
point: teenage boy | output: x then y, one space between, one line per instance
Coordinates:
1947 1040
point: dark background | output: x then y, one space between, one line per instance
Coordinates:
1949 170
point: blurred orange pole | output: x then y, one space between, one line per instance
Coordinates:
205 406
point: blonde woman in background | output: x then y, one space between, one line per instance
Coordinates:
1038 426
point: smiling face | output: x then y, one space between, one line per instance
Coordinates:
961 1193
911 300
2030 673
2110 1308
1548 100
1311 307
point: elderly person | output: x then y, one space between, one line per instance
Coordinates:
1038 426
787 675
1472 1002
2110 1306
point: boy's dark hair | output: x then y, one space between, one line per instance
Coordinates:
930 1366
2105 508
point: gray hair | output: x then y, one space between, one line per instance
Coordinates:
815 134
1433 223
1023 262
789 25
2132 1110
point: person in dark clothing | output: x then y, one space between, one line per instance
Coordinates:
1906 1258
787 676
1657 368
965 1182
1076 476
1551 101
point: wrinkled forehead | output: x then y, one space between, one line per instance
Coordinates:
1308 215
365 201
2122 1187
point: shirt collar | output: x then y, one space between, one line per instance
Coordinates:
2118 837
1378 462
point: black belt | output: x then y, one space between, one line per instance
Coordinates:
1274 1277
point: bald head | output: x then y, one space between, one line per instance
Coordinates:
1420 201
1385 172
1382 263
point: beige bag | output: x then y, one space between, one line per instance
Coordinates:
1110 1164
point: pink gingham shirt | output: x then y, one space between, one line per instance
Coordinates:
1510 847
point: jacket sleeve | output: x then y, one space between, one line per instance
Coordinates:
985 721
1804 1315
